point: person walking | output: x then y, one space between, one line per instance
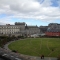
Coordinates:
42 56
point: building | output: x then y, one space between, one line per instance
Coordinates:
18 29
53 29
53 32
30 30
12 29
43 29
54 25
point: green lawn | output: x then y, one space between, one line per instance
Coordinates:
37 46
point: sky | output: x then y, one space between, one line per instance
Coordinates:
32 12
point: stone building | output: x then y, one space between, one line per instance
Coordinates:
53 29
12 29
54 26
18 29
30 30
43 29
25 30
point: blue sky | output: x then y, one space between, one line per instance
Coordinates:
55 3
32 12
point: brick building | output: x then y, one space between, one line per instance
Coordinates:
53 29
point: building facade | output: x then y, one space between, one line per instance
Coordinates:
18 29
53 29
12 29
43 29
30 30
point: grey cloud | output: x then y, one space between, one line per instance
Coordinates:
25 7
30 9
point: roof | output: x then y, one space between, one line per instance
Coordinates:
43 26
18 23
53 30
32 26
27 27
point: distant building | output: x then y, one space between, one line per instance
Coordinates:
54 32
53 29
30 30
8 29
43 29
18 29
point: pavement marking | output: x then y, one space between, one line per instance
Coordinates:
41 45
48 46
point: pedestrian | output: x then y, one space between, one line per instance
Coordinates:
42 56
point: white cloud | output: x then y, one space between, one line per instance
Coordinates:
46 3
29 9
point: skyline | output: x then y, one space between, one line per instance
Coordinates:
32 12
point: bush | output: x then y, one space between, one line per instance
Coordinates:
22 37
14 51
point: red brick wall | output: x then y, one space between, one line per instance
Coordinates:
52 33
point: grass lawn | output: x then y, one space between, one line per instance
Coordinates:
37 46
